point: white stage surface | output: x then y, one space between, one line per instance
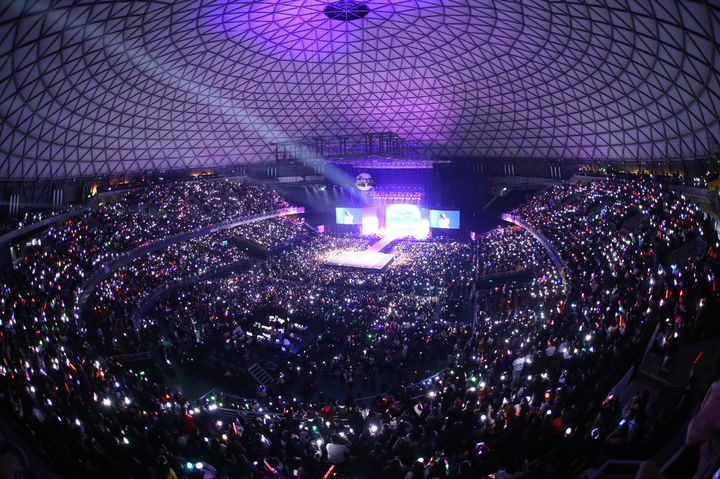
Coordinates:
371 258
361 259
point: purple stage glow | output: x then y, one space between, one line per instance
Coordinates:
370 225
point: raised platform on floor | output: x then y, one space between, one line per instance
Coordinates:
370 259
381 244
361 259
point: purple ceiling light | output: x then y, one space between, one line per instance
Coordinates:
96 87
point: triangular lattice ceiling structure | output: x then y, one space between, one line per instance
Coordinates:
102 87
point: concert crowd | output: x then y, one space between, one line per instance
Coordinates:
417 371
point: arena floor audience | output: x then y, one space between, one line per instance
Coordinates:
464 381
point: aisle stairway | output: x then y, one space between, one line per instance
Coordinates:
261 375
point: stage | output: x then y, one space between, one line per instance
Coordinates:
371 258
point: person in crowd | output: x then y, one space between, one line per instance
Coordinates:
462 381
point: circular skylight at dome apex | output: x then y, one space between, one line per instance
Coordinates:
324 30
346 10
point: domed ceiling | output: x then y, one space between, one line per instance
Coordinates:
103 87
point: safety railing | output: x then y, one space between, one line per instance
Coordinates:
554 256
106 270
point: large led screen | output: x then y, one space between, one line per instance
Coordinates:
348 216
445 219
402 218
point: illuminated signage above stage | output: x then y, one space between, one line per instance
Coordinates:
364 181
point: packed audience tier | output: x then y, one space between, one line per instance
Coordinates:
465 379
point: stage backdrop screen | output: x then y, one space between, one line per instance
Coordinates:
445 219
402 218
348 216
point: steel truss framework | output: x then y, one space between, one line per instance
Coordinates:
107 87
